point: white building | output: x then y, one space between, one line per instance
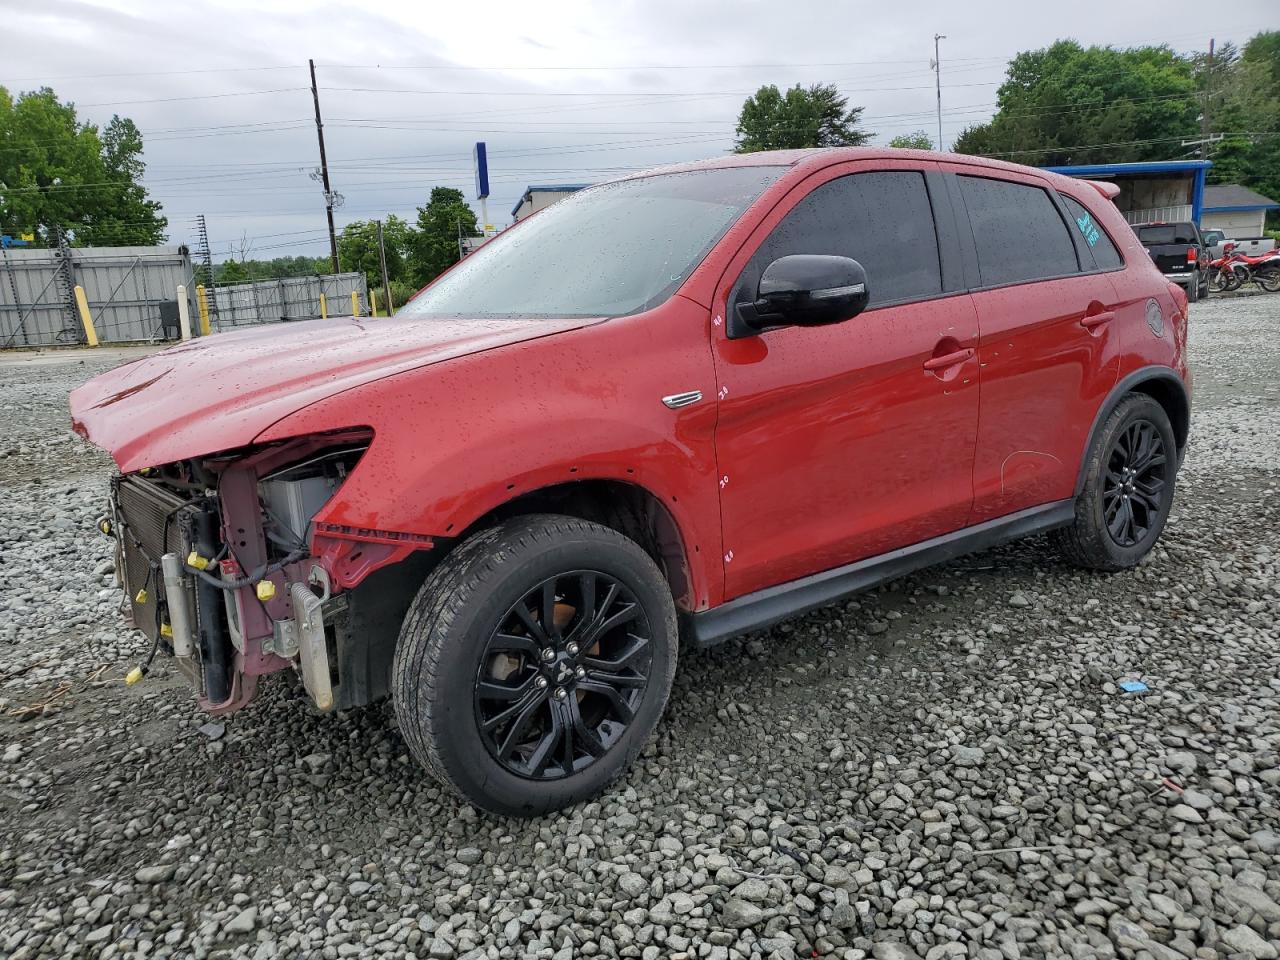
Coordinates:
1237 211
537 196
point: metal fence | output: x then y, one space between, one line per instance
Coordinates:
128 290
289 298
132 295
1168 214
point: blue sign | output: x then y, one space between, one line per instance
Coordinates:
482 171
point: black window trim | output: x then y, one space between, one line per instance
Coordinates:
958 200
969 246
1115 246
945 231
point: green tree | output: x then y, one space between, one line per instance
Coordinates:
235 271
59 173
814 117
1070 104
358 248
912 141
433 247
1244 97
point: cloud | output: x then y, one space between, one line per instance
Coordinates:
446 75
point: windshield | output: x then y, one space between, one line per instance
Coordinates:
610 250
1164 233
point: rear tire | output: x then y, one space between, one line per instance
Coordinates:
1128 488
493 692
1193 290
1203 289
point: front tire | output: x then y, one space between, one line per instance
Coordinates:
1128 488
535 663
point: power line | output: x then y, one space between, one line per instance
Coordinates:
597 93
202 96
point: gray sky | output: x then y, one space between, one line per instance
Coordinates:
561 90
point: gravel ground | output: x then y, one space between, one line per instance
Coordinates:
946 767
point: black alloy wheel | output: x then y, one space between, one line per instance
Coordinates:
562 674
535 663
1126 488
1133 486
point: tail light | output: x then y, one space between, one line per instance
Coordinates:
1191 255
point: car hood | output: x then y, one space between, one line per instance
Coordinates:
220 392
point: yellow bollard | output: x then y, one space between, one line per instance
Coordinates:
324 308
355 304
90 334
184 313
373 303
202 301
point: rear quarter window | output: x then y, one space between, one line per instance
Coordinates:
1105 254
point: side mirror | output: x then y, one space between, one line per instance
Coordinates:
804 290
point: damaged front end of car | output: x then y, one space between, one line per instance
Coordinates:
228 566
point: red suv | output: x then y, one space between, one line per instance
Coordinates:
674 407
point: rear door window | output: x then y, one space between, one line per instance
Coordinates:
1167 233
1019 233
1105 254
883 220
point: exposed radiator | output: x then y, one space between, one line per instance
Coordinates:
149 526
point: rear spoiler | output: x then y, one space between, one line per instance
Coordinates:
1105 187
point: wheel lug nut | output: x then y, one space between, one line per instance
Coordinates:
580 673
548 653
541 683
572 648
561 693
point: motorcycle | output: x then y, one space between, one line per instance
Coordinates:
1234 270
1225 274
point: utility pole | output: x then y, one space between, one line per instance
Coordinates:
324 170
382 262
1204 113
937 69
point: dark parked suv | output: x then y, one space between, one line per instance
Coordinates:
1180 252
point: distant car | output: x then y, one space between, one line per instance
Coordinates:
666 410
1180 252
1214 240
1220 244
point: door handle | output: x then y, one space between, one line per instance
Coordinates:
1097 320
949 359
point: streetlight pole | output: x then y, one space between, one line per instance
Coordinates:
937 69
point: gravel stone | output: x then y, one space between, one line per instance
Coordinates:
925 771
739 913
967 756
157 874
632 884
1255 899
1245 941
1185 813
893 951
242 922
